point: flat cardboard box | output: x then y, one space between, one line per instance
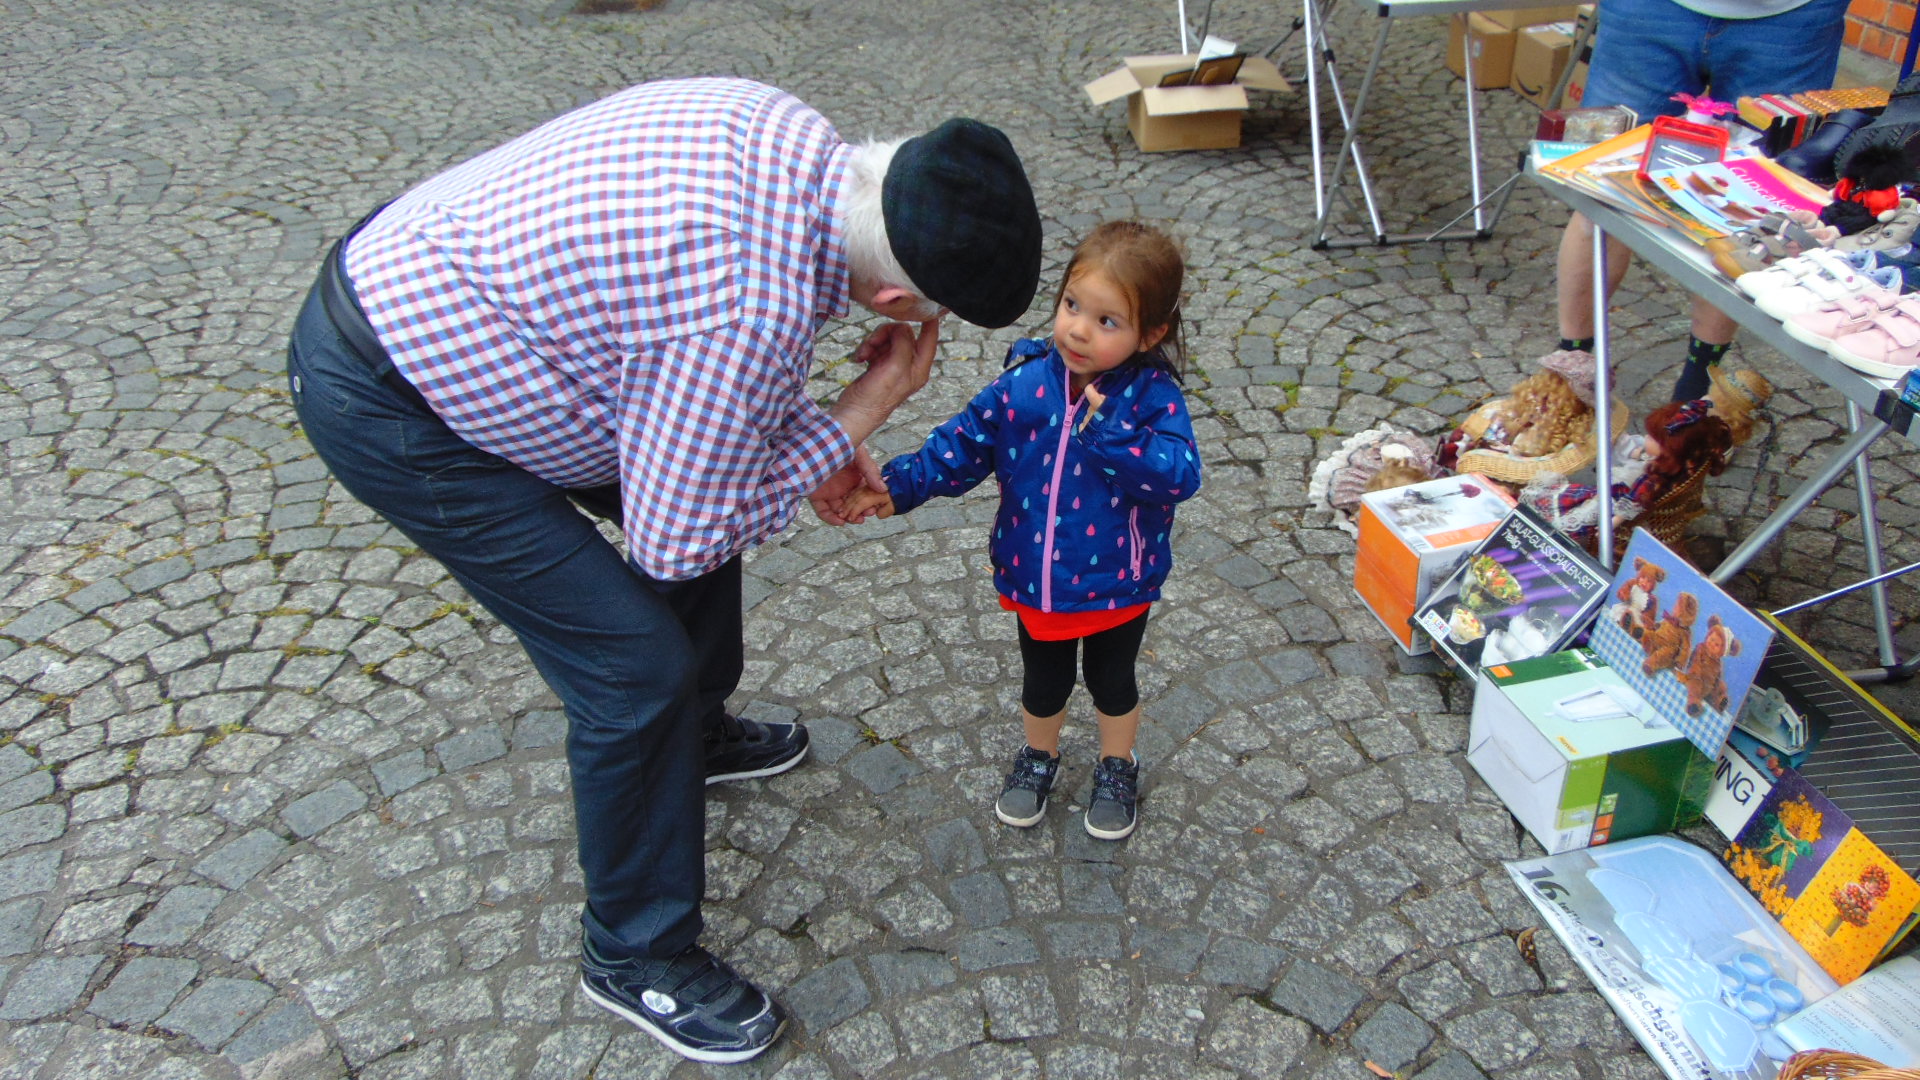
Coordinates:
1492 46
1411 538
1517 18
1578 756
1183 117
1540 54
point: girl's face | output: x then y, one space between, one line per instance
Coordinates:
1094 327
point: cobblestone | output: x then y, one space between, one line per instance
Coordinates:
279 798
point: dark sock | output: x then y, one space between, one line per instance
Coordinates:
1694 382
1569 344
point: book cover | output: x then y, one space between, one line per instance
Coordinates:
1522 592
1830 887
1680 641
1657 203
1734 194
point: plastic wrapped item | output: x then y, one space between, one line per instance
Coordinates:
1595 125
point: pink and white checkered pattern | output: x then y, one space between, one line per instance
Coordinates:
632 291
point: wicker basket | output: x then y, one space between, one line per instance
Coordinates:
1838 1065
1518 470
1667 519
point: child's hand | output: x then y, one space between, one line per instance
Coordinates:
865 501
1093 397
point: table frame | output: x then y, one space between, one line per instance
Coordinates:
1321 64
1872 410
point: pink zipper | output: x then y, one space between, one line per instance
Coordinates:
1053 501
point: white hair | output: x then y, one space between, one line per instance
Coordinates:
864 219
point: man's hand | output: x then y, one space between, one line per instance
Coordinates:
829 500
899 362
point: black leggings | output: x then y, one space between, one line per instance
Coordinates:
1108 663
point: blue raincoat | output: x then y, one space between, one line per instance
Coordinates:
1085 511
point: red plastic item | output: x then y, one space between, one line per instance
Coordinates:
1675 143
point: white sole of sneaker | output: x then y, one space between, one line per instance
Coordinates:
774 769
1875 368
1102 834
1020 823
666 1039
1805 336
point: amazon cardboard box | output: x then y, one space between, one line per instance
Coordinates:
1540 54
1412 537
1578 756
1185 117
1492 46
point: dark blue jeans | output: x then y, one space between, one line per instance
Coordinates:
639 664
1648 50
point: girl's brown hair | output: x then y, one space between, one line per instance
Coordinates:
1147 265
1689 439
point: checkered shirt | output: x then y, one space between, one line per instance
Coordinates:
631 292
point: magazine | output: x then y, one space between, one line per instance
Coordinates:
1876 1015
1522 592
1657 204
1727 196
1694 967
1835 891
1680 641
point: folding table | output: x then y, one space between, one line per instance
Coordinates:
1320 64
1873 410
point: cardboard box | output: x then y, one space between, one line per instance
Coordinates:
1492 46
1411 538
1183 117
1540 54
1519 18
1576 86
1578 756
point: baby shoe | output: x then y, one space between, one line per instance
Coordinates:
1816 290
1844 316
1888 347
1895 228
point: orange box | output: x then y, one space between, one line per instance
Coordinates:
1412 537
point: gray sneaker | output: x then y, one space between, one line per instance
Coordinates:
1023 799
1116 792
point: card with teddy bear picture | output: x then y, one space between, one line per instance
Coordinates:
1684 645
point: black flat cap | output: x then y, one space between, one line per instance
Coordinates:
961 220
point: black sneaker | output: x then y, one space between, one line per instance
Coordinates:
1116 791
1023 799
697 1006
741 749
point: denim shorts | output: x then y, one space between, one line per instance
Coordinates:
1645 51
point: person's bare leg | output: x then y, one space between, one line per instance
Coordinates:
1043 732
1712 325
1575 269
1117 734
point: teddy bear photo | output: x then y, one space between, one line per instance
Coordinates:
1638 611
1670 644
1704 679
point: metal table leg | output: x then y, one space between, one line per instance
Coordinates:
1602 403
1841 460
1322 53
1870 533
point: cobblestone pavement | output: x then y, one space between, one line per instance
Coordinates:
277 800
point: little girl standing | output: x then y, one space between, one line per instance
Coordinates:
1087 434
